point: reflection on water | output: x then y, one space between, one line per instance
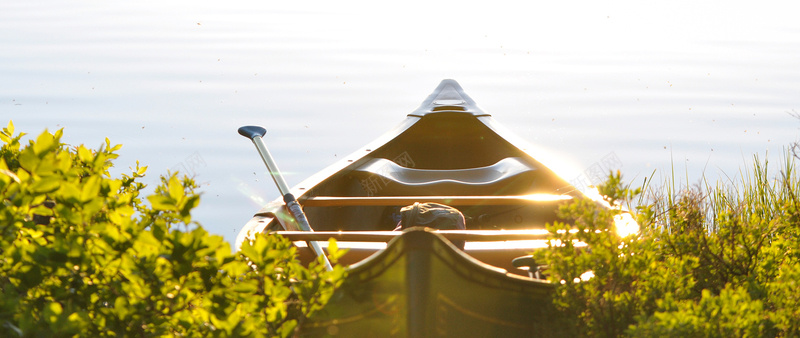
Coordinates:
697 87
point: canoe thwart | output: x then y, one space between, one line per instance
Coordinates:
339 201
386 236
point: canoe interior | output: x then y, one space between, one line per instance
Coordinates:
447 151
478 161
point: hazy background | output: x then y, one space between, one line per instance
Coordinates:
635 85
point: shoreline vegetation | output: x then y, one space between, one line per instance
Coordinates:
86 254
710 260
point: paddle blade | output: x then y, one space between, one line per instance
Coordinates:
252 131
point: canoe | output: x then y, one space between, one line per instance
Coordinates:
416 283
423 286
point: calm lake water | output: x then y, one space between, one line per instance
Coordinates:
640 87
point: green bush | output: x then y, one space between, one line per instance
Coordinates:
717 261
81 253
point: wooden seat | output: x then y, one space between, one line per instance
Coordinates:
390 171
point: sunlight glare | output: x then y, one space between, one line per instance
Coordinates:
625 225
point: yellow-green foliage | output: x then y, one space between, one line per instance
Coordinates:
81 253
708 262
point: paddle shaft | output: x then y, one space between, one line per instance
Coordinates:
255 134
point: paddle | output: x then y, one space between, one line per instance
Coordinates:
255 133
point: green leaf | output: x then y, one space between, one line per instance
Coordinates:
287 328
148 238
122 307
236 268
69 191
90 189
5 136
247 287
186 209
163 203
248 250
140 171
109 148
84 154
52 312
28 160
47 184
44 143
175 188
332 246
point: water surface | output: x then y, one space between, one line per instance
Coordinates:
640 87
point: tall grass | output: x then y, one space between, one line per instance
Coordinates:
756 192
739 230
710 260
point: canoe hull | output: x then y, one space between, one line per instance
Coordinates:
422 286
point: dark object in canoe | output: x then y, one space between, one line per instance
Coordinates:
448 151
